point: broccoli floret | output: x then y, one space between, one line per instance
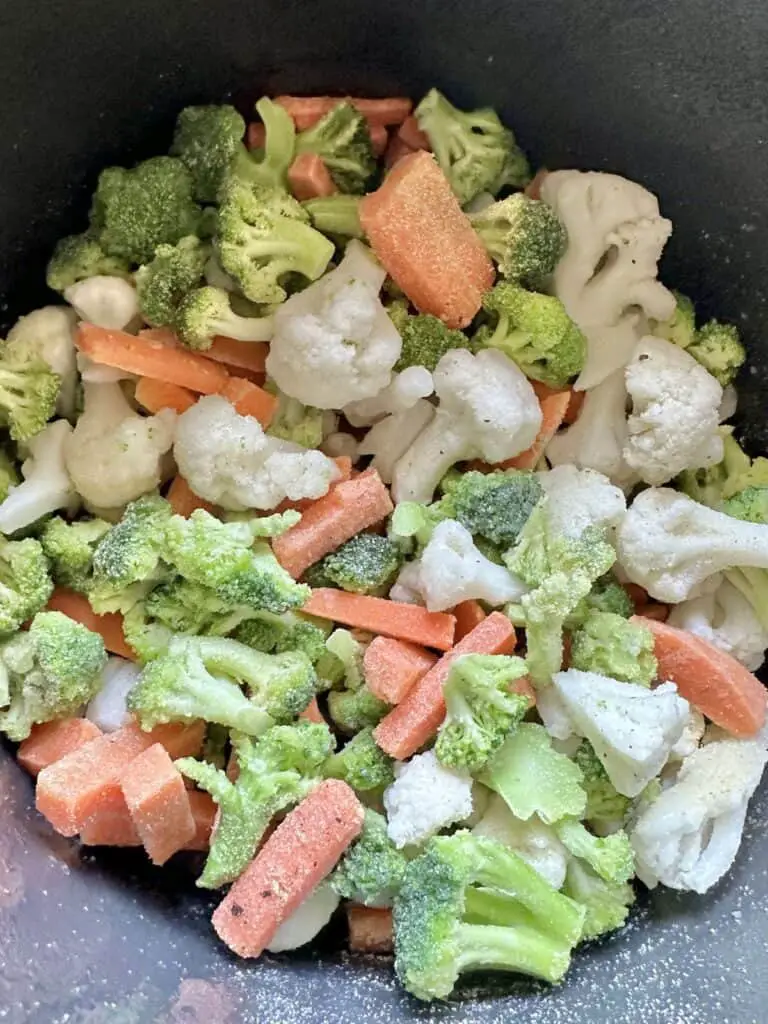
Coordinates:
275 772
354 706
495 506
25 585
268 166
523 236
607 595
606 904
610 856
79 257
9 474
294 421
205 312
373 869
147 638
29 390
718 348
681 326
136 210
535 331
70 548
265 585
711 485
469 903
425 338
353 710
412 523
342 139
751 504
605 806
336 215
611 646
206 139
365 564
290 631
53 669
480 709
162 283
186 607
474 149
361 763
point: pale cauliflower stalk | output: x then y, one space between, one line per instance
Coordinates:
109 302
307 920
46 486
401 394
425 798
50 333
725 618
334 343
389 439
227 458
108 708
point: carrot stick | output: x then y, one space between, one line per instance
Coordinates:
379 138
183 499
150 358
86 782
111 825
410 133
393 667
50 742
344 511
250 400
426 243
387 618
246 355
637 595
307 110
417 718
714 682
256 135
370 929
554 407
158 800
309 178
573 411
155 395
302 850
109 626
468 615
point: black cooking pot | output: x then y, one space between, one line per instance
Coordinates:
672 94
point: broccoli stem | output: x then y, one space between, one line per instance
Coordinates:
510 949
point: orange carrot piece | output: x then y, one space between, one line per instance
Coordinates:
410 133
652 610
150 358
203 812
155 395
309 178
525 689
183 499
393 667
158 800
386 618
307 110
312 713
86 782
468 615
417 718
533 188
109 626
553 410
395 151
111 825
379 138
250 400
246 355
256 135
714 682
345 510
51 741
370 929
426 243
302 850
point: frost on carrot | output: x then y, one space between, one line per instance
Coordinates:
554 408
51 741
387 618
393 667
309 178
109 626
159 805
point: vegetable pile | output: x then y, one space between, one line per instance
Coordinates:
372 531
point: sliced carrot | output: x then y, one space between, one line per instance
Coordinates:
553 409
344 511
393 667
86 782
395 151
410 133
109 626
652 610
158 800
312 713
302 850
151 358
370 929
309 178
714 682
250 400
385 618
51 741
246 355
344 466
468 615
417 718
426 243
203 812
256 135
183 499
379 138
533 188
155 395
307 110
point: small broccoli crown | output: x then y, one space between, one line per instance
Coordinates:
25 585
611 856
204 549
425 338
206 139
480 709
607 905
495 506
186 607
365 564
681 326
524 236
205 312
712 484
70 548
148 639
611 646
162 283
131 551
135 210
607 595
361 763
352 711
535 331
29 390
604 803
337 215
412 523
265 585
342 139
718 349
751 505
268 166
9 473
372 870
79 257
279 633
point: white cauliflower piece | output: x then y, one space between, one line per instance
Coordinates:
689 836
691 737
307 920
675 412
488 410
333 342
553 713
729 403
407 587
227 458
338 444
109 302
631 728
726 619
389 439
50 333
108 709
425 798
46 486
532 840
114 455
402 393
581 498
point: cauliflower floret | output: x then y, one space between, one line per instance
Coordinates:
488 410
615 240
534 841
425 798
389 439
691 737
404 391
109 709
675 412
50 334
407 587
726 619
631 728
333 342
114 455
227 458
46 486
307 920
552 711
581 498
689 836
109 302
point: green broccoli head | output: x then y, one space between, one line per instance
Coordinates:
524 237
9 473
606 904
495 506
605 806
70 548
607 595
173 271
361 763
265 585
611 856
372 870
146 637
205 312
751 504
187 607
425 338
342 139
206 140
130 553
53 668
535 331
681 326
612 646
294 421
719 350
365 564
337 216
29 390
25 585
290 631
135 210
713 484
79 257
268 166
353 710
